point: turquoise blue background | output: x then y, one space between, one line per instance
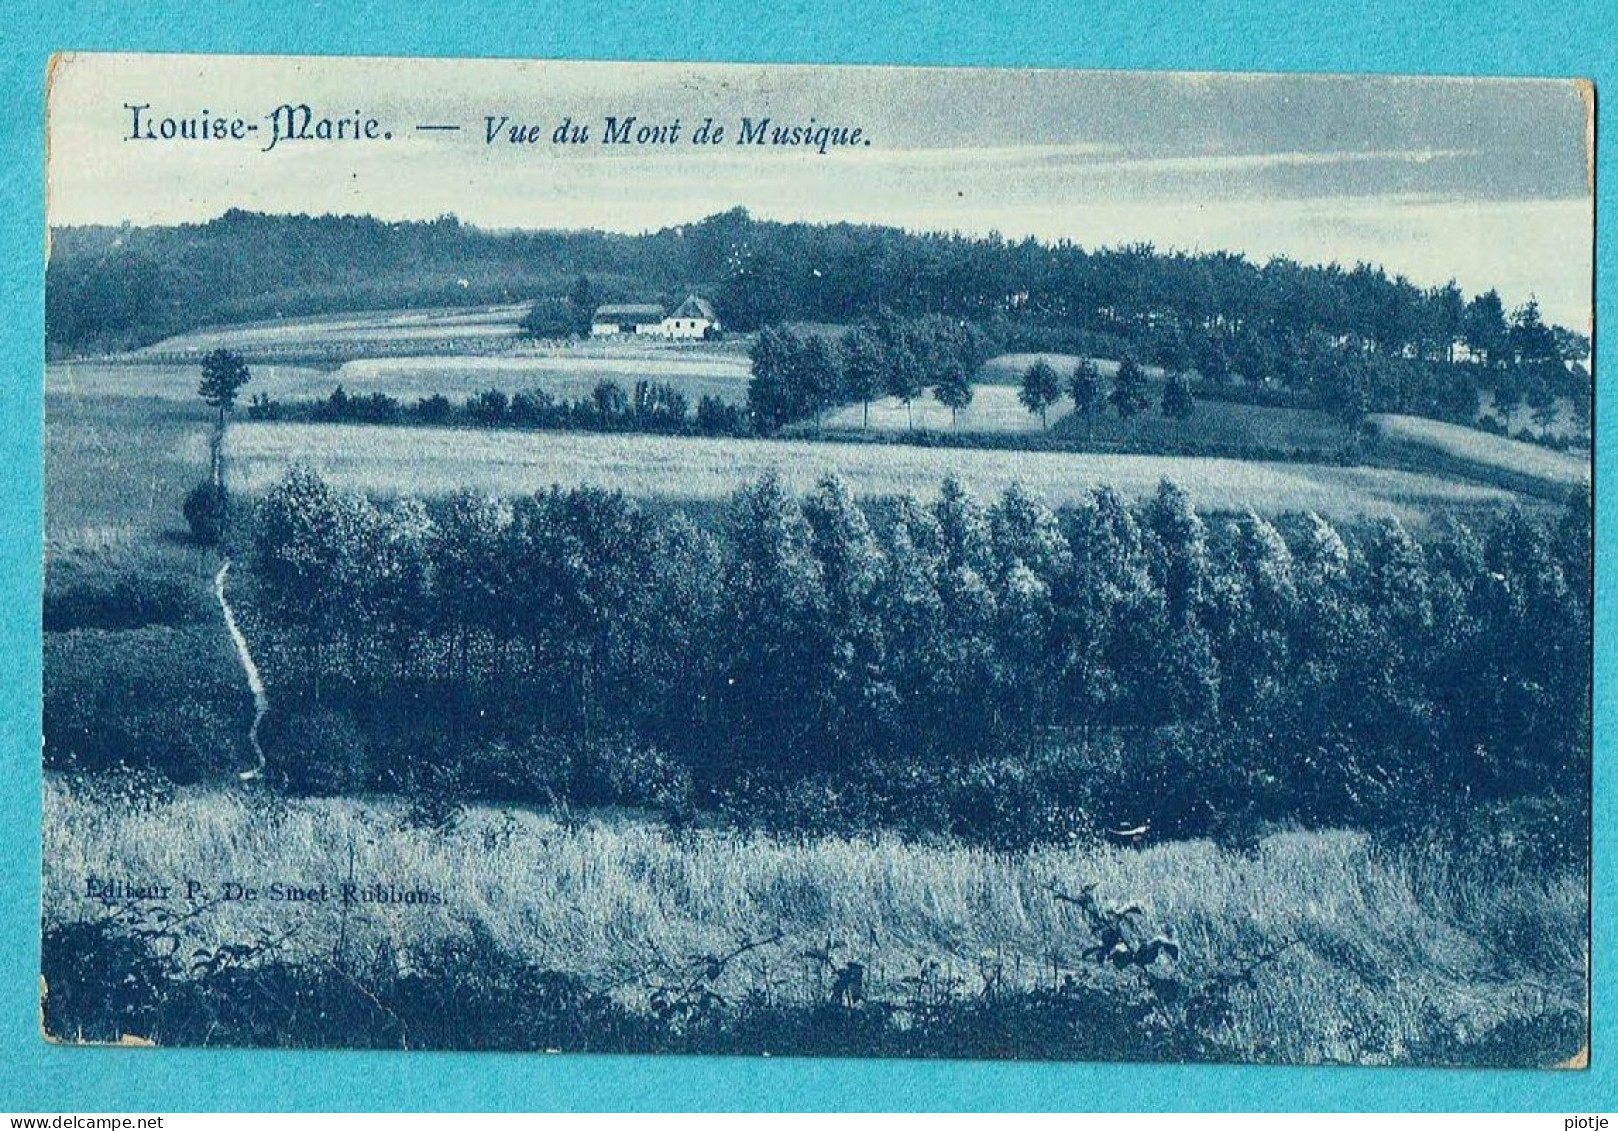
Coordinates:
1566 38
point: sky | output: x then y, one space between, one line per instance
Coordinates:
1483 181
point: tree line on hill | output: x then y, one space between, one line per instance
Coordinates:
801 375
1002 672
1278 326
798 376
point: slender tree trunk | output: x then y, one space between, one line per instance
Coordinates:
216 444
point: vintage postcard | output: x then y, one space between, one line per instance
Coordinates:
817 561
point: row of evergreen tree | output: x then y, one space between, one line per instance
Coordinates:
881 653
800 375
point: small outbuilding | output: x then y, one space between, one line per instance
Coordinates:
626 318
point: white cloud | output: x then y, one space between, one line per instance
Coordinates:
1209 186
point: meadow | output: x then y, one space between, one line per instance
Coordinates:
391 460
563 372
94 381
115 468
566 373
424 330
117 551
1353 953
1484 453
1236 428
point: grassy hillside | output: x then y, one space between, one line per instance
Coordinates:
116 469
116 544
335 337
1216 425
1482 454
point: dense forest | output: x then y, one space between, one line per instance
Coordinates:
120 286
1002 672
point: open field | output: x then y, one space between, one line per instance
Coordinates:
328 341
116 469
566 374
116 472
427 461
425 330
1486 452
1377 951
1213 424
994 408
97 380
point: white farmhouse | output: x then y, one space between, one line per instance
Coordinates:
626 318
693 318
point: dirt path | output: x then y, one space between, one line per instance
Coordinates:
255 683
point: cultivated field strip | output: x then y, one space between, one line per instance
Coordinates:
391 461
1485 450
994 408
566 374
417 325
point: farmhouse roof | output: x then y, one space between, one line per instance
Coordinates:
694 306
629 312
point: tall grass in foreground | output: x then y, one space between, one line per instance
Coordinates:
1324 948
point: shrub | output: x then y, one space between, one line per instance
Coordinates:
718 418
621 771
206 508
159 698
816 805
535 771
488 408
1544 835
1016 803
101 983
263 407
320 750
434 409
100 598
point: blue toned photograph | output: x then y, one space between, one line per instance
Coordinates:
750 560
